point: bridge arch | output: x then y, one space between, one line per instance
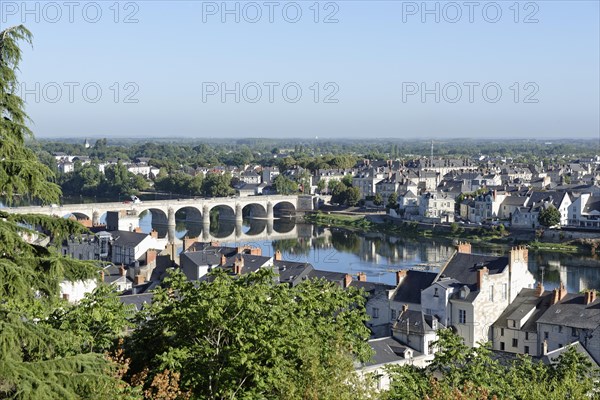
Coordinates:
254 210
78 215
224 211
221 219
188 214
158 215
284 209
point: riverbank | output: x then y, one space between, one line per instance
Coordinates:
494 237
408 228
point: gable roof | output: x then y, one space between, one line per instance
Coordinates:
572 311
387 350
371 287
331 276
202 258
137 300
523 303
292 272
415 322
463 267
128 239
409 289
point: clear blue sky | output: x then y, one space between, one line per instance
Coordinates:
376 56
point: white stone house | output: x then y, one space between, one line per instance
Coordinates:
366 181
377 305
388 351
487 206
515 331
434 205
571 318
484 286
584 211
75 291
417 330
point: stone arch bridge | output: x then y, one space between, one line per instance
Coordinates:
196 210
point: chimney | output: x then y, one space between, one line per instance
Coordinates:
173 251
480 274
150 256
188 242
544 347
362 277
102 276
139 279
592 296
154 234
539 290
464 247
122 270
238 265
555 297
404 308
562 291
518 254
347 280
400 275
277 255
223 260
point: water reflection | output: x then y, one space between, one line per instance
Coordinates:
377 255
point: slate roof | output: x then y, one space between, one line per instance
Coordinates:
137 300
292 272
463 267
201 258
571 311
112 274
551 196
201 246
409 290
521 305
387 350
252 263
336 277
592 205
371 287
415 322
128 239
514 201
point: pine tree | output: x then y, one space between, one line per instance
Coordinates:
37 360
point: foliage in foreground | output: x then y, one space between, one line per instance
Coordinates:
460 372
250 337
38 360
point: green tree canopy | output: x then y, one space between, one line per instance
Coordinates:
37 360
352 196
392 201
284 185
458 371
378 200
549 216
217 185
250 337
